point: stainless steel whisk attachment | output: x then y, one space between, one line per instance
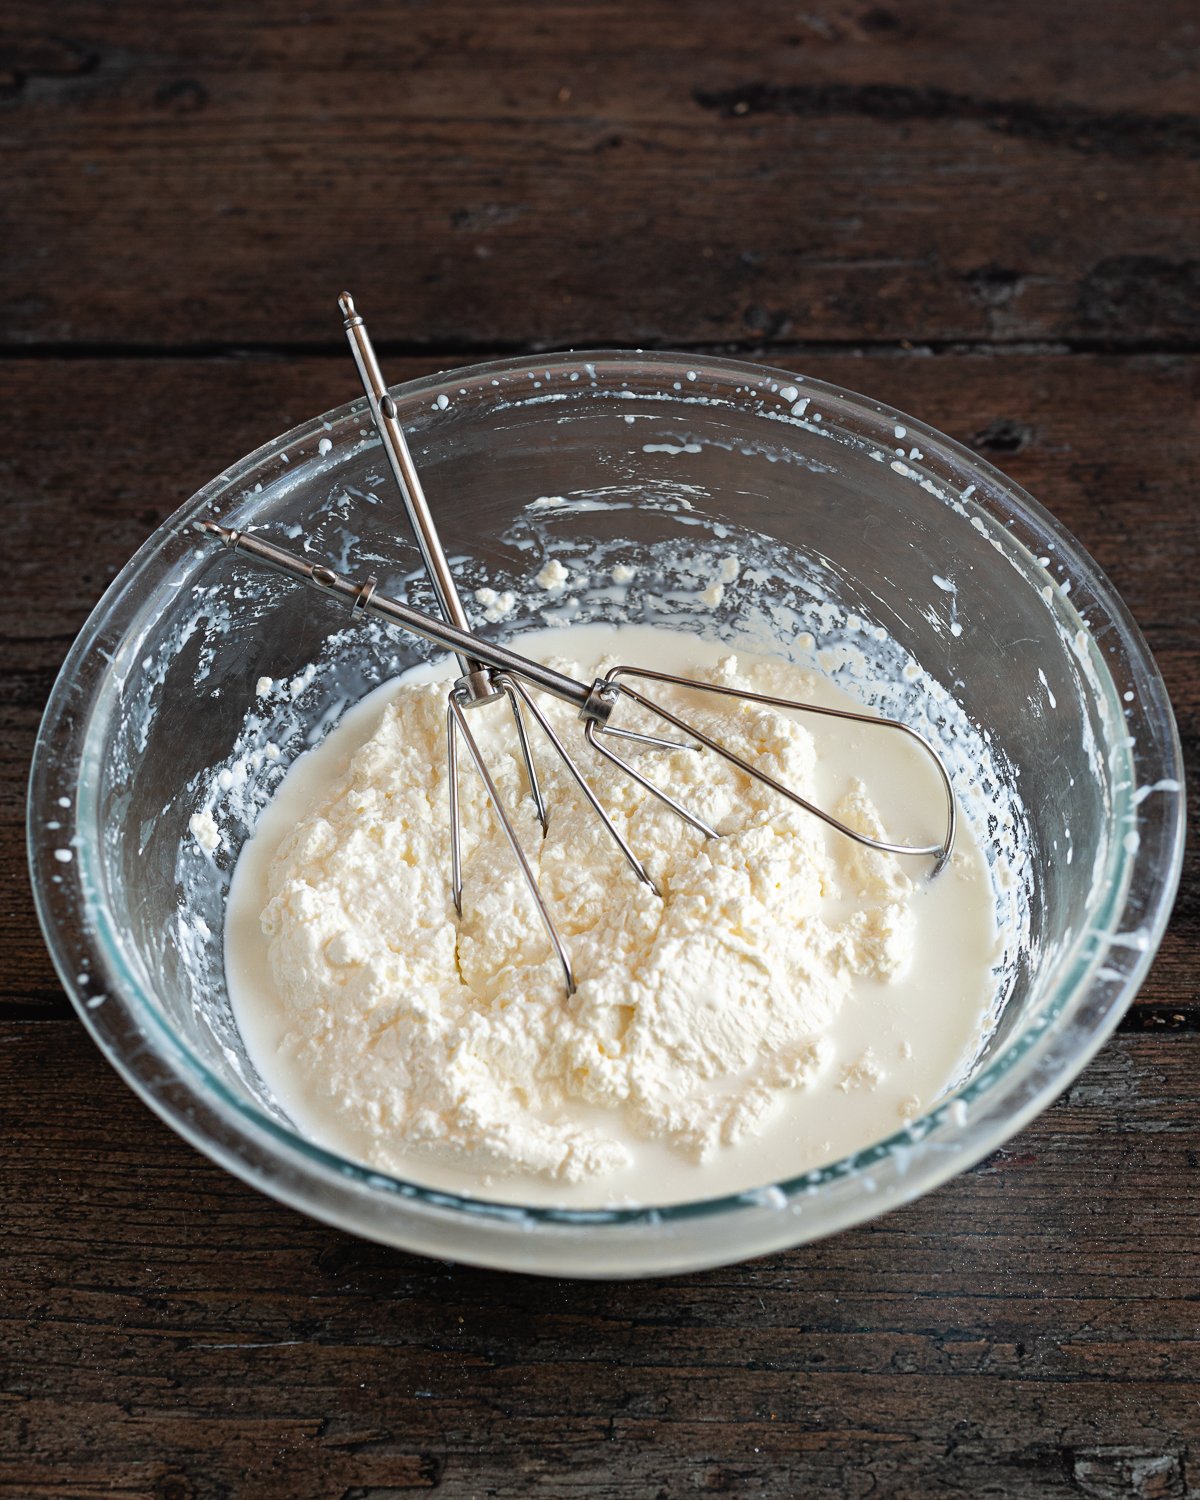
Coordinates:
491 672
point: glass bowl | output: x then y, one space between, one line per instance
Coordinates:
867 534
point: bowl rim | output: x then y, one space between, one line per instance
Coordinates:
201 1108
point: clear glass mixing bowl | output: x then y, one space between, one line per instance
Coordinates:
840 499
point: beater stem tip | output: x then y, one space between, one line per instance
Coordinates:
346 303
222 533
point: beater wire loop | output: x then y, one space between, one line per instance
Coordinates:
940 852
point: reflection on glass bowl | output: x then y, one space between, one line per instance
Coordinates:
1036 670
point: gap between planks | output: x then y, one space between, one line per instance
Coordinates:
418 349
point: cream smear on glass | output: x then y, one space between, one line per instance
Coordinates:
792 999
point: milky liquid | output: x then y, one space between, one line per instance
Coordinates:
924 1028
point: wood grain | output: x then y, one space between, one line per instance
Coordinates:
636 173
985 215
1029 1330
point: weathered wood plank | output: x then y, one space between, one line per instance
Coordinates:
524 176
516 176
1029 1330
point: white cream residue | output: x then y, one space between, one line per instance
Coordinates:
792 997
495 606
204 830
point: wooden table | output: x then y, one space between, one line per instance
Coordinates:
985 215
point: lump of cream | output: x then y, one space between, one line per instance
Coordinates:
495 606
204 830
553 576
695 1012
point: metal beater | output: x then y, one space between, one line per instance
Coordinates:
491 672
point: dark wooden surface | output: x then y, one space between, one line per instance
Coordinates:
986 215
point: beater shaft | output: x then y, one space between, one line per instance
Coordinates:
408 482
596 703
365 597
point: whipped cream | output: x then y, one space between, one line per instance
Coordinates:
792 995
